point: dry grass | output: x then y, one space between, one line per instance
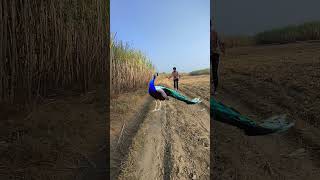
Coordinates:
130 68
47 48
48 45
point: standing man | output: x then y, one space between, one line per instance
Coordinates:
176 77
216 48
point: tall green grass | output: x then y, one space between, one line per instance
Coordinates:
291 33
130 68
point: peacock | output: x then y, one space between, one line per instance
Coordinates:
228 115
162 93
224 113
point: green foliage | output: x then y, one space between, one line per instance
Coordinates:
291 33
200 72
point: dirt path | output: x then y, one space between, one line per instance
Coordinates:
172 143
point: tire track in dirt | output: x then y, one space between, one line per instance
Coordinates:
190 142
146 152
167 159
120 149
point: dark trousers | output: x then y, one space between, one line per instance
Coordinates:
175 84
214 58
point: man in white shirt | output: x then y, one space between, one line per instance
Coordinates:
176 77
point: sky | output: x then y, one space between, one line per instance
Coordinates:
235 17
170 32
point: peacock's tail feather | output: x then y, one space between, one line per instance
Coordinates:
225 114
177 95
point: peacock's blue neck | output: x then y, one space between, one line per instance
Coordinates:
152 88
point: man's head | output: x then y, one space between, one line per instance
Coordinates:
174 68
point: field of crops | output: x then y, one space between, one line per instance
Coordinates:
49 45
130 68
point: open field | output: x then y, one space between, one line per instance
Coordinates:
172 143
260 82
